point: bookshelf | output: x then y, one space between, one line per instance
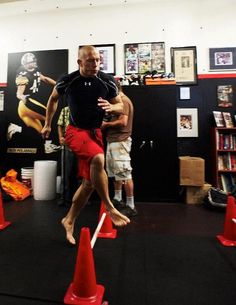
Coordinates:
224 157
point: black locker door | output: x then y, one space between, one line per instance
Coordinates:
154 148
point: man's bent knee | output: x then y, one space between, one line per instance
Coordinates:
87 185
98 161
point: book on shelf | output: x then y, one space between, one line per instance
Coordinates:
227 161
228 119
219 120
224 162
227 182
220 163
233 161
225 141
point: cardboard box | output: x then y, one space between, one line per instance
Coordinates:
192 171
196 194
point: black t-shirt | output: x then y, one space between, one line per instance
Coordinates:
82 93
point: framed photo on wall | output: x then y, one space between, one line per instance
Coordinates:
144 57
1 100
187 122
184 65
225 96
184 93
107 56
222 59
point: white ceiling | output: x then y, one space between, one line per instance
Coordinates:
15 7
77 2
18 7
6 1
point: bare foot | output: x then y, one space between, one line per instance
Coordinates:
117 218
69 227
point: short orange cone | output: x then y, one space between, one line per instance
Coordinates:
228 238
3 223
84 289
106 230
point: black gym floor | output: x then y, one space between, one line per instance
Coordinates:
168 255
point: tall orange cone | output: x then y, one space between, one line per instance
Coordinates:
84 290
106 230
3 222
228 238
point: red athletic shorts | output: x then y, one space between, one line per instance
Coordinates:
85 144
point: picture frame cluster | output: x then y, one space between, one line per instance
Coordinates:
141 58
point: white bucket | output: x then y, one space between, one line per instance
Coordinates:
27 177
45 179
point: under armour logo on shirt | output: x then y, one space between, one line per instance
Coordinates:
87 84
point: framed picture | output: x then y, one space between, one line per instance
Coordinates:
225 96
184 65
107 56
222 59
184 93
1 100
187 122
144 57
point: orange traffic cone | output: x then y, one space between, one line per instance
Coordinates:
84 290
3 223
229 236
106 230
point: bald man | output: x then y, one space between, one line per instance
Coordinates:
90 94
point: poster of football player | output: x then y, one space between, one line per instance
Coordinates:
31 77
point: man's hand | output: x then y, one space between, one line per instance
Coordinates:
45 132
105 105
22 97
62 141
114 105
104 125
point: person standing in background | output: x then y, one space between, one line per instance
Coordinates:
69 164
118 131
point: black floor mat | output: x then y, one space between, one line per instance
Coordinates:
167 256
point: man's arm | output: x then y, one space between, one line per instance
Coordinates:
47 80
20 93
60 135
121 121
51 109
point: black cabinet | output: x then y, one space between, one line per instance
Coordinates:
154 147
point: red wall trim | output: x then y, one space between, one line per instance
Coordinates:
220 75
200 76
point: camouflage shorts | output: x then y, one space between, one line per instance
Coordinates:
118 160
